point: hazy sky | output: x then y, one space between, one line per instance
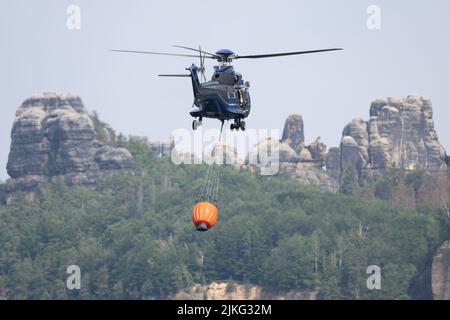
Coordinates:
410 53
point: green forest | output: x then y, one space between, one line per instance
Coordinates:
133 237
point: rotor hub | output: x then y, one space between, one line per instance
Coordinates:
225 55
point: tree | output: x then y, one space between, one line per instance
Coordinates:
291 265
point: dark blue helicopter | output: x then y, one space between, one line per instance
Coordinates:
226 96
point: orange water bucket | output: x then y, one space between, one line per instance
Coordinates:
204 216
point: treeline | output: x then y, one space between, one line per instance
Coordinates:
133 238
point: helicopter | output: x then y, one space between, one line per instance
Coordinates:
226 96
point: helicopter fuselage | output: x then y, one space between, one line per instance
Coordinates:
224 97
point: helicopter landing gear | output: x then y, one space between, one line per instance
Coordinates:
238 124
196 124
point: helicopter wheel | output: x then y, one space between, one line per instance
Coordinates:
232 127
194 125
242 125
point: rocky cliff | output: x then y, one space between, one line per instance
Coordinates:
53 136
235 291
398 146
440 273
305 163
400 136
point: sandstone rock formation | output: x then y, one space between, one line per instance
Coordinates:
440 273
220 291
54 136
293 133
333 162
399 134
304 163
235 291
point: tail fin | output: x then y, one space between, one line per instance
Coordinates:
193 69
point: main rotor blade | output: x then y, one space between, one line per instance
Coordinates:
159 53
175 75
284 54
196 50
